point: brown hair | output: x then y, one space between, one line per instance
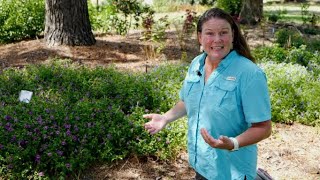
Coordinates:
239 43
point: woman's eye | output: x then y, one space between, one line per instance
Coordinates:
224 32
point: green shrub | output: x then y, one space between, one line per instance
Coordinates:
301 55
294 93
265 53
21 19
289 38
231 6
314 44
78 116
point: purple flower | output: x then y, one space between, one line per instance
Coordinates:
68 132
68 165
7 117
36 130
1 146
8 127
67 126
23 143
49 154
38 158
14 138
74 138
63 143
27 126
41 174
47 111
60 153
39 119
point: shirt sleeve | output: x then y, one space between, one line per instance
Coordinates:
181 94
255 98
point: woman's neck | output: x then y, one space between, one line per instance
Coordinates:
211 65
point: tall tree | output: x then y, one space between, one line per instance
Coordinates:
67 23
251 11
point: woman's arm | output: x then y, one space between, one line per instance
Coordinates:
256 133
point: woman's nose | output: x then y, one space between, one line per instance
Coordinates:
217 38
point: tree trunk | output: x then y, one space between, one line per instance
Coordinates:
67 23
251 12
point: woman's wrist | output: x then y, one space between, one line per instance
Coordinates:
235 144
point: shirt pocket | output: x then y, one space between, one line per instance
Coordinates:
192 85
223 94
192 93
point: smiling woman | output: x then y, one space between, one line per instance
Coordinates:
228 108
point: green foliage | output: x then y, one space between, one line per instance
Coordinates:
294 93
101 17
78 116
289 37
231 6
276 16
305 12
301 56
21 19
166 5
117 15
265 53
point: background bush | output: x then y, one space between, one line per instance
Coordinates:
21 19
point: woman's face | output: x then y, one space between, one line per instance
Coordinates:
216 38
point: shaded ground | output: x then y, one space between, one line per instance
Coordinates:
292 152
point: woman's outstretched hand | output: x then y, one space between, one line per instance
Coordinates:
156 123
222 143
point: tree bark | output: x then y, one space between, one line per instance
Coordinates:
251 12
67 23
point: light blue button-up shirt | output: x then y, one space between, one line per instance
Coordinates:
234 96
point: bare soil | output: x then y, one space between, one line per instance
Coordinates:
292 152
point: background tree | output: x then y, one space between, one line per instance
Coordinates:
251 12
67 23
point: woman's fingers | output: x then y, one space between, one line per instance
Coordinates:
148 116
222 143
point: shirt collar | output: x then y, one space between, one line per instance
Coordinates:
227 60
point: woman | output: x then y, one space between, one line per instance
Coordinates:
225 97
